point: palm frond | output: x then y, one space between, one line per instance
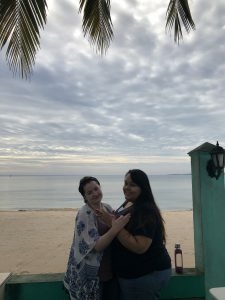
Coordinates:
97 23
20 21
177 11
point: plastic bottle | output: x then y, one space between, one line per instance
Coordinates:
178 259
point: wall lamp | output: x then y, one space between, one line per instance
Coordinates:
215 165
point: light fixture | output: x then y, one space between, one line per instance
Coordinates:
216 164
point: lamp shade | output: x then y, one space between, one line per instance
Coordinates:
217 155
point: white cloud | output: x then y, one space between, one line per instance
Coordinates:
147 103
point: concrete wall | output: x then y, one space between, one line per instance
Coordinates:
50 287
209 219
3 279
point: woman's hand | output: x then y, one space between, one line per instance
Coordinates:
116 226
120 222
104 216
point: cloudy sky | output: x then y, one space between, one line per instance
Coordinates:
146 104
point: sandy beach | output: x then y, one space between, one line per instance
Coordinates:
35 242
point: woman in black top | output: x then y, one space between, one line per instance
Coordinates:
140 259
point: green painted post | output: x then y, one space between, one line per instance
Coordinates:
209 219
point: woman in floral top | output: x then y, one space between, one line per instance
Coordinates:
89 275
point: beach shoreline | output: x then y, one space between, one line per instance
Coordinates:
38 241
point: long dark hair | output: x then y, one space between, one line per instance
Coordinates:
145 202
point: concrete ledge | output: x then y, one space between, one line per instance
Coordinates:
218 293
35 278
188 285
3 279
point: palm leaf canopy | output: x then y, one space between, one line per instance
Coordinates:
178 10
20 21
97 23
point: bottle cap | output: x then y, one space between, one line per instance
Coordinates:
177 245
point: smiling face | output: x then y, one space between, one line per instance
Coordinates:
93 194
130 189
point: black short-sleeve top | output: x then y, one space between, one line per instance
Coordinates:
127 264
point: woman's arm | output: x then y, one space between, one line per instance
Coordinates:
135 243
106 239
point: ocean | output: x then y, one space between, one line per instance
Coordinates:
40 192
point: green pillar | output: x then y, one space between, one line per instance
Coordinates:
209 219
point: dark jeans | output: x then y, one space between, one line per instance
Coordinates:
144 287
110 290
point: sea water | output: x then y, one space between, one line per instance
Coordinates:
171 192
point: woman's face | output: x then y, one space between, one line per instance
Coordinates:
130 189
93 194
